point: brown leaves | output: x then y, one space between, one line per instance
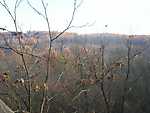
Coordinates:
4 77
37 87
87 81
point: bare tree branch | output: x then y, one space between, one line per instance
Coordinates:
7 9
38 12
70 22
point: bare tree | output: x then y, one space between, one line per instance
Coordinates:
21 53
51 38
13 15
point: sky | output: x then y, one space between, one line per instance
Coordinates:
121 16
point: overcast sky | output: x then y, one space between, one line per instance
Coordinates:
121 16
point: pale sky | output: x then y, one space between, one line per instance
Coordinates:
121 16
